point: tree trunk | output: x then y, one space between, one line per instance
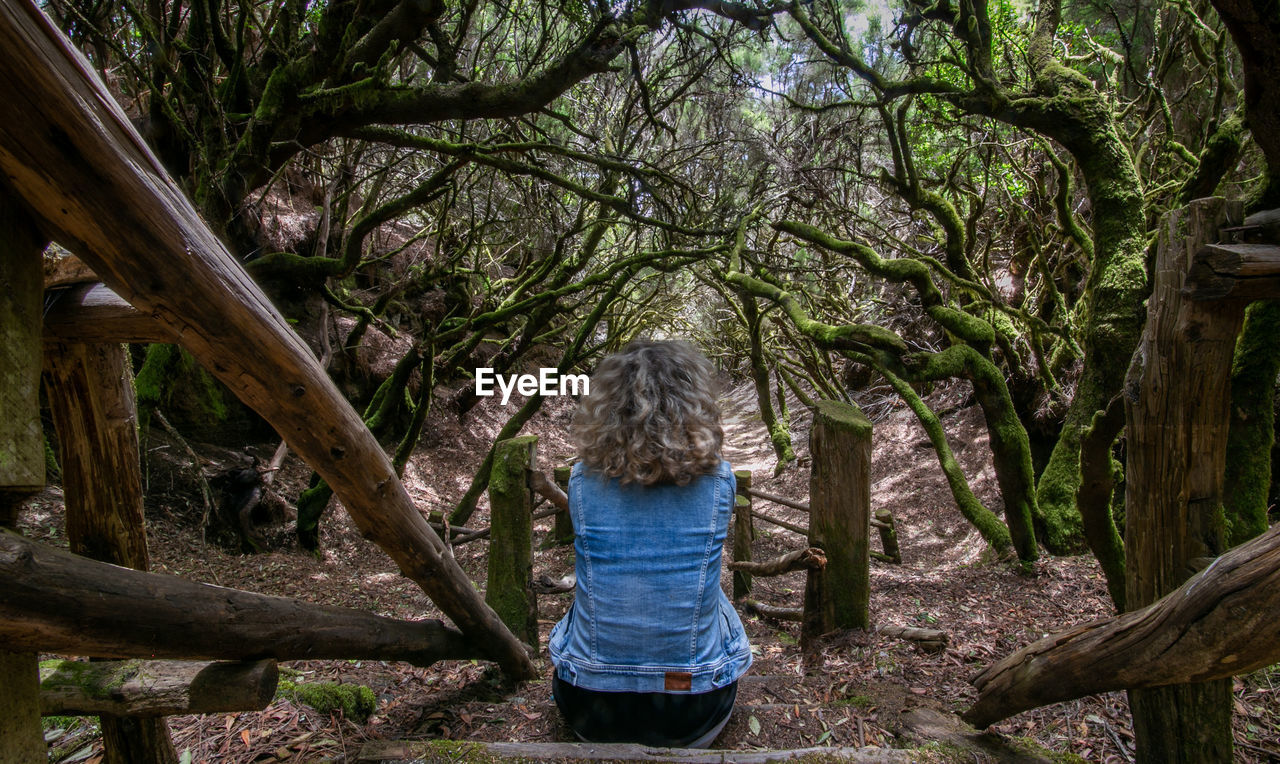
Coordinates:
1080 118
563 530
1177 414
1098 470
87 174
1247 481
21 453
131 614
778 434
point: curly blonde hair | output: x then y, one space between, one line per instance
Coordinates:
651 416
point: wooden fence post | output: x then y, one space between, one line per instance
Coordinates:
839 519
562 531
1177 407
741 545
21 452
509 589
744 533
90 391
888 535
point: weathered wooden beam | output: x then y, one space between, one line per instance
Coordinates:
840 512
1177 417
79 164
764 610
562 531
876 522
544 487
90 391
55 601
742 533
509 586
21 436
1220 623
1235 272
930 640
21 453
139 688
801 559
415 750
92 313
800 529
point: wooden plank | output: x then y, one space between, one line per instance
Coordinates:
467 750
155 688
44 606
1234 271
93 313
78 163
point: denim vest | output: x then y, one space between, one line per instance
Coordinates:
649 614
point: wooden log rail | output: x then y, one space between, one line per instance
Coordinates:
1220 623
155 688
876 522
133 614
1235 272
811 558
89 179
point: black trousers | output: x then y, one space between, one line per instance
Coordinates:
650 718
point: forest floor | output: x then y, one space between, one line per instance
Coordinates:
851 694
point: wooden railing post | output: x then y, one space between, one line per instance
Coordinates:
562 531
888 535
21 452
1177 411
839 519
90 391
509 590
743 533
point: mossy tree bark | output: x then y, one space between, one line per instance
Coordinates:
1098 472
778 434
509 588
968 358
1253 386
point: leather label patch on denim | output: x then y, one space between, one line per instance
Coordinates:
677 681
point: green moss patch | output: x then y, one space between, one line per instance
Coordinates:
355 701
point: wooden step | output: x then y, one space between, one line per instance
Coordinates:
431 751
